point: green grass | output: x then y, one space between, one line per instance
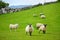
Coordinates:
52 12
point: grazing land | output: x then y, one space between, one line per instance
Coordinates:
52 12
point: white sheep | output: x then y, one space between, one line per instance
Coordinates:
29 29
34 15
42 28
43 16
13 26
38 25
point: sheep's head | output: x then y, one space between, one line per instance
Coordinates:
30 25
45 25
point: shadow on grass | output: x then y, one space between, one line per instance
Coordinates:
48 33
36 35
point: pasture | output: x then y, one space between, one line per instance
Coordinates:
52 12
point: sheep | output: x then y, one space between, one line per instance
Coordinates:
29 29
38 25
13 26
42 15
34 15
43 28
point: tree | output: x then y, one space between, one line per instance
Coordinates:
3 4
58 0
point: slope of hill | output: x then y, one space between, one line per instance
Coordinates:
52 12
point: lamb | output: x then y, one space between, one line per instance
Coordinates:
13 26
29 29
43 28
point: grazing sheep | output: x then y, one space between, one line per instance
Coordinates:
34 15
42 28
38 25
13 26
42 15
29 29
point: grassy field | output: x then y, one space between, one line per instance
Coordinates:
52 12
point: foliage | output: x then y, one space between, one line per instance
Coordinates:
3 4
59 0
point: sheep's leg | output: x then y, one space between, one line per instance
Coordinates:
30 33
37 27
39 31
44 32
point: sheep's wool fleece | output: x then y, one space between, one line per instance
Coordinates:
42 15
42 27
27 28
13 26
